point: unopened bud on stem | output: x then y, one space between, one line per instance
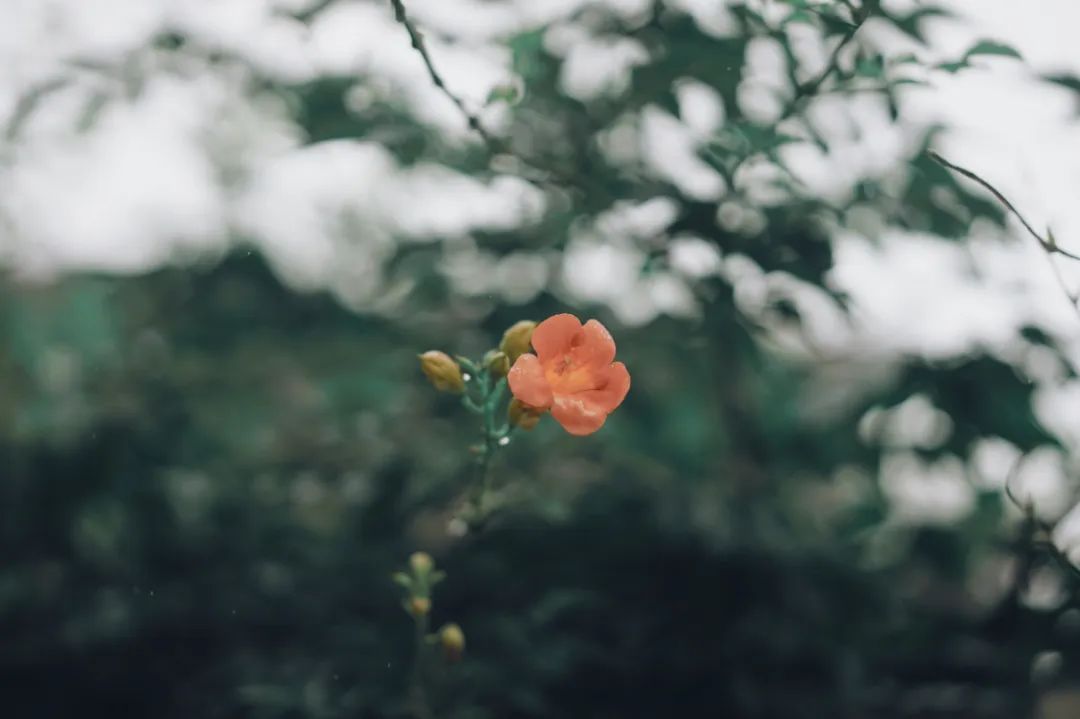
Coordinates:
517 340
452 640
522 415
421 563
497 363
419 606
442 371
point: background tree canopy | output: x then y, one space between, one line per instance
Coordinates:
224 250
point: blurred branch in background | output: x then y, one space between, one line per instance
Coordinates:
417 39
1048 243
526 167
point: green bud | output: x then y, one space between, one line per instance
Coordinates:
421 563
497 363
517 340
522 415
452 641
442 371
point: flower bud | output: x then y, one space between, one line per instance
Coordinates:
443 371
522 415
497 363
421 563
419 606
517 340
452 641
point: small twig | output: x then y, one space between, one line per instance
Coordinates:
1048 244
1014 470
808 88
805 91
27 103
1003 200
1037 533
308 14
527 168
402 16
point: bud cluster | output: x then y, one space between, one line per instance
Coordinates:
418 582
457 376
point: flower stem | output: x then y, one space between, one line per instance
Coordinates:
487 402
417 693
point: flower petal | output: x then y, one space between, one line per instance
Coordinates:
553 336
585 412
577 415
596 348
614 383
528 383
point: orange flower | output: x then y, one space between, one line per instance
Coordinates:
572 373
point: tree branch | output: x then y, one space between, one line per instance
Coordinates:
417 39
1047 243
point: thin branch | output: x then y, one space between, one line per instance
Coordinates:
529 170
1037 536
805 91
28 103
809 88
402 16
1047 243
308 14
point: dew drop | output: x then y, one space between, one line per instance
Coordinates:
503 441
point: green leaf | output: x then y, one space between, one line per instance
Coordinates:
836 26
908 58
526 50
951 67
509 93
1070 82
983 47
800 16
907 81
991 47
872 67
911 24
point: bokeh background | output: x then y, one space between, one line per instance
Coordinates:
841 486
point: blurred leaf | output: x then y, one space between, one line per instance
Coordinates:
990 47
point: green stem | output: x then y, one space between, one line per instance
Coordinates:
418 695
490 400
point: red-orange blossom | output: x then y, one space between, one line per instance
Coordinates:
573 373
